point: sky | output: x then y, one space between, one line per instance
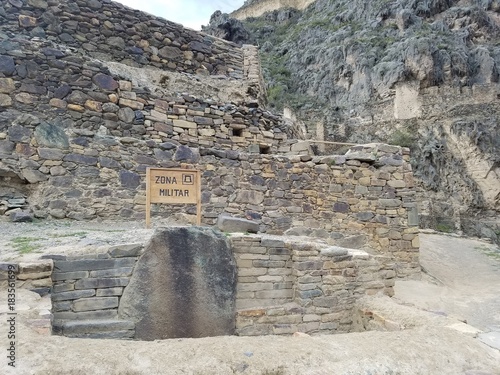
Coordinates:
190 13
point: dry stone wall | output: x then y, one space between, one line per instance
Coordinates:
89 289
76 139
283 285
109 31
287 286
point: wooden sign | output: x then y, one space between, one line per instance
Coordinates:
174 186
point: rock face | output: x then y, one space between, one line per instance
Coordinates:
184 285
256 8
224 27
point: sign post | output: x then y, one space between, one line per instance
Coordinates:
174 186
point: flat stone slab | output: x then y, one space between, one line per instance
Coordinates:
96 326
74 294
334 251
91 264
126 250
106 282
234 224
61 317
95 303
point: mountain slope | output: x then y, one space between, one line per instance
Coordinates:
422 74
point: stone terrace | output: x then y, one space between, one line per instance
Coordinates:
109 31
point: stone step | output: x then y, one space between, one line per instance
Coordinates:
109 328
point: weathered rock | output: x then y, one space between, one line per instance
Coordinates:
171 53
19 134
51 135
188 154
27 21
7 65
33 176
116 41
40 4
95 303
7 85
5 100
21 217
62 91
234 224
126 250
129 180
249 196
183 285
126 114
105 81
50 153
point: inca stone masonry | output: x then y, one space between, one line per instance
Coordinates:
76 139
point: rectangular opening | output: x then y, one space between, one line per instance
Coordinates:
237 132
264 149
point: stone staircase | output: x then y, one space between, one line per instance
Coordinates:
86 293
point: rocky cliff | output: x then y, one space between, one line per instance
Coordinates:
422 74
256 8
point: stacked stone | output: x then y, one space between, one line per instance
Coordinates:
198 123
253 71
82 122
365 196
34 276
264 272
287 286
110 31
89 289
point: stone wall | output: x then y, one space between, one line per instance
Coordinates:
34 276
284 285
76 139
362 199
109 31
287 286
87 288
65 117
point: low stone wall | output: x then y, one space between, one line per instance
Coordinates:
284 285
90 288
287 286
34 276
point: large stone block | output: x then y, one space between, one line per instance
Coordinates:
75 294
91 264
249 196
235 224
95 303
105 282
184 285
50 135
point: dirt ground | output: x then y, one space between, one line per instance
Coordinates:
462 284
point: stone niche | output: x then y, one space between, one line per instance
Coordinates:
184 285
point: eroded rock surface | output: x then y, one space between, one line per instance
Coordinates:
183 285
